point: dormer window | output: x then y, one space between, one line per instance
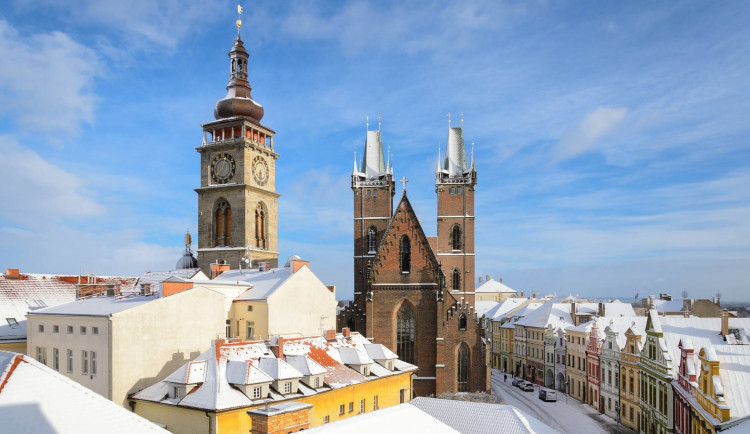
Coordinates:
256 392
287 387
12 322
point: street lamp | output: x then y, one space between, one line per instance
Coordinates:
617 417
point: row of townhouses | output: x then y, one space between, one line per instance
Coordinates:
658 368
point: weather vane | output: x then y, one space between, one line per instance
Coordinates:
239 21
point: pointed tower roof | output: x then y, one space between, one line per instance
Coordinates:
238 102
455 153
373 163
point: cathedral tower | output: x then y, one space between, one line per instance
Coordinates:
237 201
455 182
373 189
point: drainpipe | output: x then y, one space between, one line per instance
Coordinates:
209 422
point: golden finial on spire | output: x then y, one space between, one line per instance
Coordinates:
239 21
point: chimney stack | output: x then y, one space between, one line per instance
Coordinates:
217 269
278 350
296 265
12 273
346 332
480 279
488 277
724 322
330 335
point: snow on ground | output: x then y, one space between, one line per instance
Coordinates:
566 417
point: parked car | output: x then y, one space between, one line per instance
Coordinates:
547 394
526 386
516 381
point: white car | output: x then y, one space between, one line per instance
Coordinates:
547 394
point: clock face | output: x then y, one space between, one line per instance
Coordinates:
260 170
222 168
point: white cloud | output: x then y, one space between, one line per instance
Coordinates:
46 81
589 132
33 189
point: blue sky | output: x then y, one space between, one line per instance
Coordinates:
612 138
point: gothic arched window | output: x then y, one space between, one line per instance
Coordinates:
260 226
463 368
456 283
405 333
462 322
456 237
405 254
371 237
223 224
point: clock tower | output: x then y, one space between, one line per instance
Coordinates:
237 199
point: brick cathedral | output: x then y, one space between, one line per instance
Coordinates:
415 293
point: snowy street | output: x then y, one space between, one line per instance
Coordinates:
566 415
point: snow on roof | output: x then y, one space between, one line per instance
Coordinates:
398 418
665 306
278 369
379 352
500 309
481 307
493 285
97 305
620 325
189 373
478 417
617 308
305 365
734 370
264 283
550 313
156 278
216 393
31 292
352 356
521 312
35 398
246 373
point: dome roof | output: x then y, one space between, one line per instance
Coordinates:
290 259
186 261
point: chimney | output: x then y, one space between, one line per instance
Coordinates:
296 265
687 305
331 288
600 308
145 289
110 290
573 312
12 273
717 300
724 322
500 279
480 279
217 269
263 266
346 332
278 350
330 335
488 277
522 294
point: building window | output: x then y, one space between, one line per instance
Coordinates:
256 392
41 328
316 382
55 329
361 406
175 392
228 330
85 362
453 190
405 254
375 402
93 363
405 333
223 224
326 419
288 387
56 359
372 236
341 410
83 330
249 308
462 322
94 330
260 226
456 237
70 361
456 279
70 330
463 368
351 407
41 355
250 326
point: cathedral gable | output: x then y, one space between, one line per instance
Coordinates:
387 264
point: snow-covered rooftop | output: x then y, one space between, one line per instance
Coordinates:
156 278
396 419
494 286
26 293
227 363
98 305
263 283
35 398
550 313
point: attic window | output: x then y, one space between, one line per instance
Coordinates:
288 387
12 322
256 392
